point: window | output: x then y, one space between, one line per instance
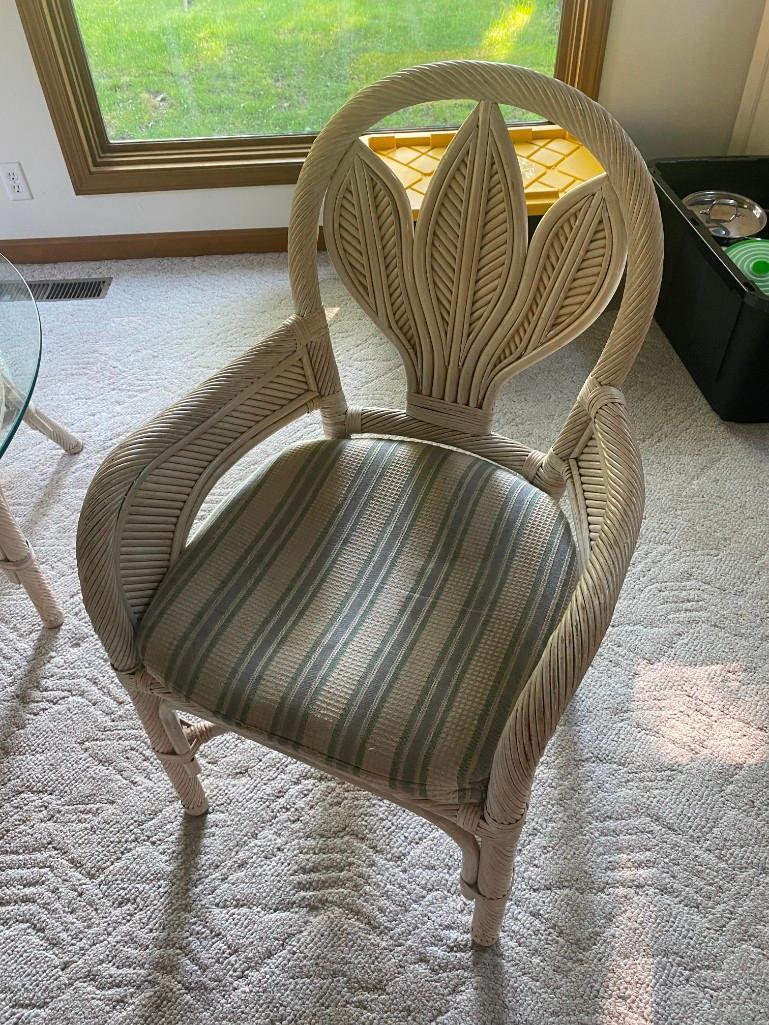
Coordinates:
155 94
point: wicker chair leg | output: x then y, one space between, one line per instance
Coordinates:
172 748
495 878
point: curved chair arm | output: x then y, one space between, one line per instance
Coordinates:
142 502
575 641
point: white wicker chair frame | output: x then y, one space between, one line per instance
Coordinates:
467 307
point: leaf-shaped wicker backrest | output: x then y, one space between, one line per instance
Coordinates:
462 296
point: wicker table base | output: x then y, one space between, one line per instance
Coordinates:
16 556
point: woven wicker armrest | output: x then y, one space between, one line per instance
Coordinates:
141 504
605 477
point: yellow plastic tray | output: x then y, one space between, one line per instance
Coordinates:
552 162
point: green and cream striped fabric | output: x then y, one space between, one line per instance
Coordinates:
376 605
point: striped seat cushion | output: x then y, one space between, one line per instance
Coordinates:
373 605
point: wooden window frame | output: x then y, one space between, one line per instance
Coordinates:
97 165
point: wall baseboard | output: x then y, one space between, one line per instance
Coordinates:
135 247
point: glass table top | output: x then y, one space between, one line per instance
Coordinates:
19 349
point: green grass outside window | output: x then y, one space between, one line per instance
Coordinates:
210 68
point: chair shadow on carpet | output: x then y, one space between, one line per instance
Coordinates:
491 984
339 893
334 882
14 715
165 970
594 936
561 875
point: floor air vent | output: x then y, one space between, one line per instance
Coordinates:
69 288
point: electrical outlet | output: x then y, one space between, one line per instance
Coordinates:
14 181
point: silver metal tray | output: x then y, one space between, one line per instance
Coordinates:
726 215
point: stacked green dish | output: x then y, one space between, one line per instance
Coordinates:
752 257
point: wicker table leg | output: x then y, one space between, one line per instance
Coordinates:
18 562
38 421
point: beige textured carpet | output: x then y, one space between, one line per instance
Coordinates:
642 891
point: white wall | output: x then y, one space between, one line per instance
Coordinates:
27 135
673 75
675 70
751 127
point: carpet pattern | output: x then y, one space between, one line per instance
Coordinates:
642 889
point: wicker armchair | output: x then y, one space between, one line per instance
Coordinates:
403 604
